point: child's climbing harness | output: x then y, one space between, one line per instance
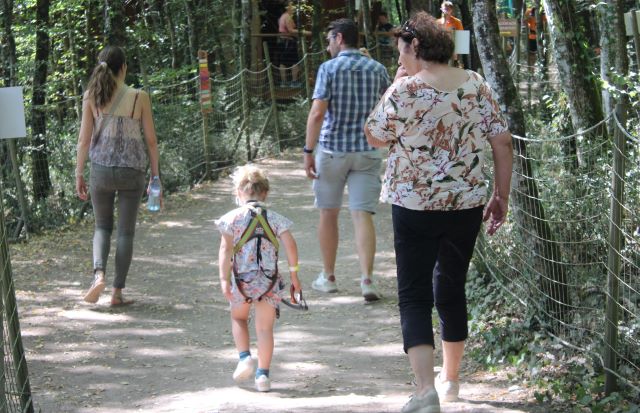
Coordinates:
260 229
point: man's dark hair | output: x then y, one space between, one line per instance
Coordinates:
347 28
383 13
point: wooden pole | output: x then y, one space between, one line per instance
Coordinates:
245 105
613 259
305 59
205 106
272 93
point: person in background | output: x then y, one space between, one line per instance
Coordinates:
113 116
450 23
448 20
347 88
384 37
255 279
438 121
288 43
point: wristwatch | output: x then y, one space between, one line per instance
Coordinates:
306 150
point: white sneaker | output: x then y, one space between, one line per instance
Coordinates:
447 390
325 284
427 403
244 369
263 383
369 290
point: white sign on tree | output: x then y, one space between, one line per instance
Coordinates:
12 123
462 40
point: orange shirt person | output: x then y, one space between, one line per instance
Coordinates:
448 20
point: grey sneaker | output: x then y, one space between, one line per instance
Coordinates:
427 403
447 390
325 284
244 369
263 383
369 290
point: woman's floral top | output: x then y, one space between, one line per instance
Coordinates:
438 142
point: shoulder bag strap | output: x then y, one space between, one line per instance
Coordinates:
114 106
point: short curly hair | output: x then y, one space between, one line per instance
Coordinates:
435 42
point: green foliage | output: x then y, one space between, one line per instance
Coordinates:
506 334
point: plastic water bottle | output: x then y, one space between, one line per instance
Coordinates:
153 203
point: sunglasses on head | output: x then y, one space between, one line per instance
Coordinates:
408 30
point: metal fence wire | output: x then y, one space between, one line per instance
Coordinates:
15 390
557 254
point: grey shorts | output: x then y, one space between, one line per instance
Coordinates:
360 171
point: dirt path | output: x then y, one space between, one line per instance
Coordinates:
172 350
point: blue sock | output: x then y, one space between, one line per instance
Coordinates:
260 372
245 354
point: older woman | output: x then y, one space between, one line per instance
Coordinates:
437 121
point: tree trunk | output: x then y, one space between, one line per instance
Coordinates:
172 34
574 67
93 35
39 156
245 34
609 49
191 34
528 211
115 23
607 22
366 24
472 60
8 45
400 11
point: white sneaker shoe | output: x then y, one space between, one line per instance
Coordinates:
427 403
369 290
244 369
447 390
263 383
325 284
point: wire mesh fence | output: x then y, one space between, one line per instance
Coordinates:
15 390
554 256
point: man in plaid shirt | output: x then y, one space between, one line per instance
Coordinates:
347 88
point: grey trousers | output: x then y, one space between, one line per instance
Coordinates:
105 183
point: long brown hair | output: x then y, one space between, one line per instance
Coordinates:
102 83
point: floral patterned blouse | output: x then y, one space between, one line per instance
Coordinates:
236 221
438 141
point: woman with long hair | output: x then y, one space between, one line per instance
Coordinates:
113 119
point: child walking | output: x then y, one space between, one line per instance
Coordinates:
248 267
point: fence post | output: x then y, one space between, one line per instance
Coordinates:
613 258
3 370
305 59
205 107
245 106
272 92
12 322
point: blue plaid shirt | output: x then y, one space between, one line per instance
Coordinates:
352 84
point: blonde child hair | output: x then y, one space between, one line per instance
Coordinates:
250 180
